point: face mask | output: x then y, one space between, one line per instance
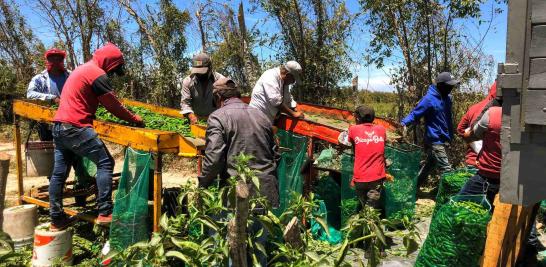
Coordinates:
54 65
119 71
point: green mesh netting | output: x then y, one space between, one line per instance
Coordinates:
333 236
450 184
400 194
289 168
457 233
129 219
349 201
85 171
327 190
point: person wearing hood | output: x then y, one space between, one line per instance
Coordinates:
271 94
197 100
48 85
435 107
73 133
468 119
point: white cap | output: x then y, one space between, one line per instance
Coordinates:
294 68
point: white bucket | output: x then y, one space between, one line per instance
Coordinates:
19 223
49 246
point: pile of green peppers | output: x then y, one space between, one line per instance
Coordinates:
456 236
151 119
450 184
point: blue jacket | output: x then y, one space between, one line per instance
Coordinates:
438 118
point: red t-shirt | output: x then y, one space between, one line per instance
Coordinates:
369 143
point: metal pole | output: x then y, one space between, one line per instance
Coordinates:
18 159
158 185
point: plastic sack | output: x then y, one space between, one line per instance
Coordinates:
289 167
457 233
130 216
400 194
450 184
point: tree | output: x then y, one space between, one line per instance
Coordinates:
76 23
162 32
21 52
314 33
421 39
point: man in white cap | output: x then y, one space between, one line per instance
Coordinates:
271 94
197 99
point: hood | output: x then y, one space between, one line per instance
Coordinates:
108 57
432 90
492 91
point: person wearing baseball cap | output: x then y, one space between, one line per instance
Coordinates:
197 99
271 94
233 129
435 107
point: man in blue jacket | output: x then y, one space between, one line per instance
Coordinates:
435 107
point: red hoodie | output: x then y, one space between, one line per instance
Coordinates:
471 115
87 86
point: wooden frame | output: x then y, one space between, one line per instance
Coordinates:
158 142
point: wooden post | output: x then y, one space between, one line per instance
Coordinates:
291 234
18 160
4 170
237 234
308 180
158 185
507 234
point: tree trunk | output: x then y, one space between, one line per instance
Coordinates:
292 234
237 234
201 29
4 169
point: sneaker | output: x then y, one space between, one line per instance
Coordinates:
62 224
104 219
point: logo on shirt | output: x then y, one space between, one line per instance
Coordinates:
371 138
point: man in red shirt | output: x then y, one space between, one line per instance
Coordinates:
368 141
468 119
73 132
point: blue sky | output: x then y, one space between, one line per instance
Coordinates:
375 79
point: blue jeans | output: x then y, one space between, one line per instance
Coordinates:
436 158
70 142
478 185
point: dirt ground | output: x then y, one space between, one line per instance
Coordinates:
176 171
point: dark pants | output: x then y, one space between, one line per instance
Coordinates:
436 158
369 193
70 142
44 132
478 185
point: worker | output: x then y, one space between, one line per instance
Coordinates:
48 84
237 128
468 118
435 107
368 141
197 100
73 134
487 180
272 95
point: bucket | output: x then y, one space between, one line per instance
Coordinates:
19 223
39 158
50 246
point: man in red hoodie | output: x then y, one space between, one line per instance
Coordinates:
73 132
468 119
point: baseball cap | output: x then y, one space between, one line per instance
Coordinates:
365 113
445 77
294 68
223 84
54 52
200 63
